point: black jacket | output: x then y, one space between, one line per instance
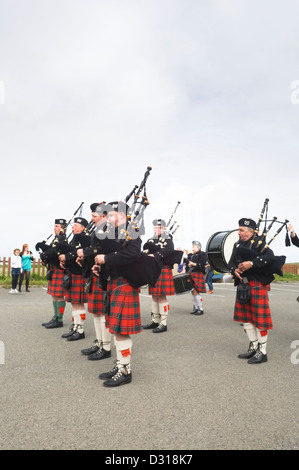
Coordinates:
120 254
201 260
163 250
79 240
50 252
261 269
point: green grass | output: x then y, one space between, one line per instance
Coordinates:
288 277
35 280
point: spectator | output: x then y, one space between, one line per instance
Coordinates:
27 259
209 279
16 263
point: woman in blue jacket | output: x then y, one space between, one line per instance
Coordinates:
27 259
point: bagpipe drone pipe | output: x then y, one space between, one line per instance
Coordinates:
60 241
259 244
146 269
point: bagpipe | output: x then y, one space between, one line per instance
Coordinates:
160 247
134 225
61 238
220 246
135 214
146 269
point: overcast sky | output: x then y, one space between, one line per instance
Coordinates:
94 91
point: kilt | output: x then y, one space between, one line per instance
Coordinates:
198 281
75 294
124 313
55 285
164 285
257 311
95 298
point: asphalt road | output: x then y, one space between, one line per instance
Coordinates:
189 390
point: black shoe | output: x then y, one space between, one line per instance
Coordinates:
91 350
100 354
198 311
75 336
27 290
160 329
68 334
48 322
110 374
54 324
258 358
122 377
251 352
150 326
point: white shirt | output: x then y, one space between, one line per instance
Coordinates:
16 261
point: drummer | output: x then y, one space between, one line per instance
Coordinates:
196 265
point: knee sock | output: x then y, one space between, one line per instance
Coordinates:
124 353
197 301
60 306
106 335
118 354
98 329
251 332
79 318
164 309
262 339
155 311
54 302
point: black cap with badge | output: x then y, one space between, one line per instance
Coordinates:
246 222
81 220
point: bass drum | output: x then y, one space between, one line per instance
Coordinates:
219 249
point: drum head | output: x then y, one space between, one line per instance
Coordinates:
219 249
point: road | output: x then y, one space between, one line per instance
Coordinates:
189 390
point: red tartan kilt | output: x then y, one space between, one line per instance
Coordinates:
75 294
257 311
124 315
198 280
164 285
95 298
55 284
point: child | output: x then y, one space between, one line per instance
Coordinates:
16 263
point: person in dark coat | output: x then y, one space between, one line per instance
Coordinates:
75 293
55 273
101 349
123 309
164 286
250 266
197 261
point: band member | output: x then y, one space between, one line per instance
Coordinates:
123 316
196 266
75 294
294 237
164 286
96 296
255 313
55 273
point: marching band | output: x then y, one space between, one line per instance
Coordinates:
103 265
